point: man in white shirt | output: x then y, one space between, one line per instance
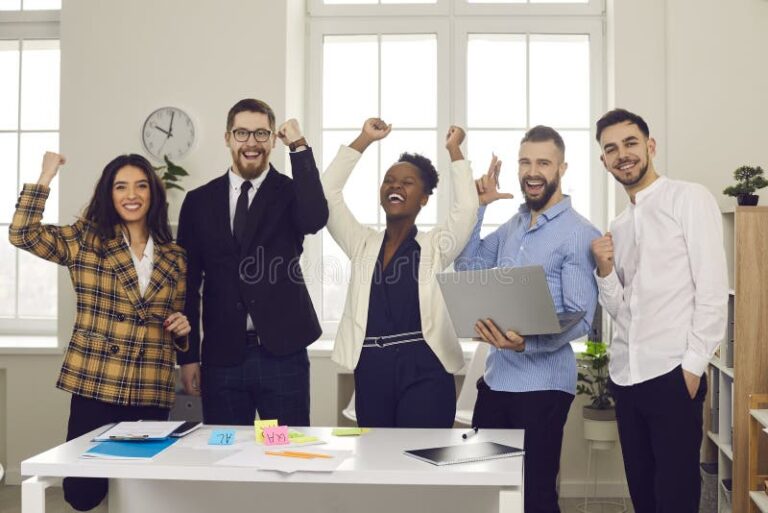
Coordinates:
661 275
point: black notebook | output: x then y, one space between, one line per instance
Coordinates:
465 453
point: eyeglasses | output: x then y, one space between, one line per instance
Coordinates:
260 134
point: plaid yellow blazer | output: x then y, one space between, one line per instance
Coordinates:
119 352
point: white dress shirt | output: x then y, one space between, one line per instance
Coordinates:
235 182
668 292
143 264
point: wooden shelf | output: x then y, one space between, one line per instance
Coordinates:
761 416
760 499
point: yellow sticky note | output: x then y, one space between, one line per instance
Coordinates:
258 425
349 431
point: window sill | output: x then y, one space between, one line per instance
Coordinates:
25 344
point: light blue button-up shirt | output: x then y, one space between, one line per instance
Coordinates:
560 241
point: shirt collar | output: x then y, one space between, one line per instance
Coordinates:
235 180
553 211
656 185
149 249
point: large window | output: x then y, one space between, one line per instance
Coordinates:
495 68
29 125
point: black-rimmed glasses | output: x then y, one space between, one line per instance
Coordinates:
260 134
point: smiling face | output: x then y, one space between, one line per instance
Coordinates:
402 192
540 167
131 194
250 158
627 154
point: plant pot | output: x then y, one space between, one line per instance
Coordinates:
600 427
747 200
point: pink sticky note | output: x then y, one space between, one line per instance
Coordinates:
277 435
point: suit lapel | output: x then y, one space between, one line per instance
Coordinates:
220 211
119 255
265 196
163 267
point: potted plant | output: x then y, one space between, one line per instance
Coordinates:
171 174
748 180
600 414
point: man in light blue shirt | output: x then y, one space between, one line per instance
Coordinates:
530 382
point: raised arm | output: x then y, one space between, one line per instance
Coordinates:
310 209
342 225
54 243
610 288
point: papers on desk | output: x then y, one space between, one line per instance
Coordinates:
129 450
140 430
257 457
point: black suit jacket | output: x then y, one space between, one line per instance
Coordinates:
261 277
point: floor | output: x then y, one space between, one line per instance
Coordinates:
10 502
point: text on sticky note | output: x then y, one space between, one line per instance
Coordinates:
259 425
222 437
277 435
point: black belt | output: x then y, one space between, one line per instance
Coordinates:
252 339
394 340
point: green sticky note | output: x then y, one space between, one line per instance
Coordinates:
303 439
349 431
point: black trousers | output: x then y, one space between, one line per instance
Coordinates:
83 493
542 414
660 429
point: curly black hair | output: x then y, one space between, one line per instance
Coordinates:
426 170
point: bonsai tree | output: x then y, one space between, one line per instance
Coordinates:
593 376
748 180
171 174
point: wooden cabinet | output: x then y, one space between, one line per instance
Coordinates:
746 242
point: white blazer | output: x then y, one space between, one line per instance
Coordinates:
439 247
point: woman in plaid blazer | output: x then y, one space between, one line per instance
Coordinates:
129 278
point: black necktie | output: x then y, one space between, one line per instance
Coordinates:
241 212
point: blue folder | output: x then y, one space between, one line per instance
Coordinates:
142 450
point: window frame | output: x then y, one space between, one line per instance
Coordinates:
20 26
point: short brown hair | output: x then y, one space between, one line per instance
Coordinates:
250 105
541 133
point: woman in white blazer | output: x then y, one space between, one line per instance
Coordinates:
395 332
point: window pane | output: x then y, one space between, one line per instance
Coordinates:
33 147
559 1
37 287
496 1
576 181
35 5
40 85
496 93
423 142
9 85
10 5
505 144
350 80
408 1
7 275
409 80
336 271
9 187
559 82
348 2
361 191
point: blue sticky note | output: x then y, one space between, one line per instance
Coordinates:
222 437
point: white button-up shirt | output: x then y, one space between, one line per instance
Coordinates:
143 264
668 292
235 182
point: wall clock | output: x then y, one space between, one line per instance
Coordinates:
168 131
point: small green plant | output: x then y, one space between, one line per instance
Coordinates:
593 378
171 174
748 180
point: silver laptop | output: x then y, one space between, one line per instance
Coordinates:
515 298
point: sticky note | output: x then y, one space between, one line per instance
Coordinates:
277 435
349 431
261 424
222 437
303 439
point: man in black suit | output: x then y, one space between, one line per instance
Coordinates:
244 234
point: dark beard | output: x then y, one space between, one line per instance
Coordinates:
549 190
633 181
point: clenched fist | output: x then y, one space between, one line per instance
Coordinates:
51 163
602 249
289 132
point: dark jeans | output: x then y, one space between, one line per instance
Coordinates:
403 386
660 429
85 415
542 414
277 387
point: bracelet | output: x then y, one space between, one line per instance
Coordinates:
297 143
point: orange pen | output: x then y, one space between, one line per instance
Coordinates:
297 454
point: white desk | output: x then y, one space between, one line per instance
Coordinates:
379 478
